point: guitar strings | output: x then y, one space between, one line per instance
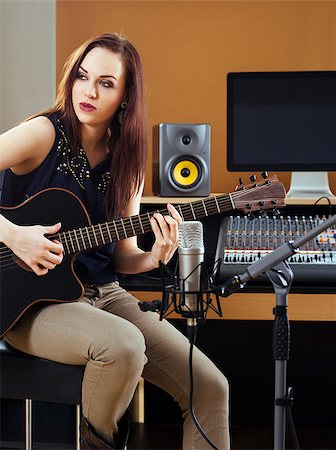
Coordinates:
199 206
128 228
90 230
88 235
122 224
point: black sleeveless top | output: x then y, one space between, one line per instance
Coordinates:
60 169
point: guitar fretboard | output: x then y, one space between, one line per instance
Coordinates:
93 236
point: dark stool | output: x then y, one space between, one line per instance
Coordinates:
26 377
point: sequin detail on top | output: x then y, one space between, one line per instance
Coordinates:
78 165
105 178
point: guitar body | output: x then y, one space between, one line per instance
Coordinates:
20 288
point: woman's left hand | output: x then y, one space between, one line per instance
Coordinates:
165 229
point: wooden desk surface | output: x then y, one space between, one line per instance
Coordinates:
246 306
306 201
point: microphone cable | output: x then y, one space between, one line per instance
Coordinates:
191 330
287 402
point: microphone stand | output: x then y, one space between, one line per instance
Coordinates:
281 276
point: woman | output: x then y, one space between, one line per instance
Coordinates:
93 143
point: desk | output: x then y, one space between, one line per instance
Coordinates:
251 306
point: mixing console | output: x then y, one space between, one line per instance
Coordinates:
244 240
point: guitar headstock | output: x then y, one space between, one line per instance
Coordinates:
266 194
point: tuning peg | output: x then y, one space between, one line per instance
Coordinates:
253 178
241 182
264 174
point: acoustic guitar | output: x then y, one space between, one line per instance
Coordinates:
21 288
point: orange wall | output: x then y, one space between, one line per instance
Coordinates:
188 47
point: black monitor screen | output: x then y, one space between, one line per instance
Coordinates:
281 121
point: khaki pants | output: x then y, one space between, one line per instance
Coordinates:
119 343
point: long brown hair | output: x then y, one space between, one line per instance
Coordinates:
128 142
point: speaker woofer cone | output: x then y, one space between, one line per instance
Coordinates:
186 173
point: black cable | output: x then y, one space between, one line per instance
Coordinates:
192 338
291 422
292 429
329 203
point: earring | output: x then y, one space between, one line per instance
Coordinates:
123 106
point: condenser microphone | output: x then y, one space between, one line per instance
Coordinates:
190 257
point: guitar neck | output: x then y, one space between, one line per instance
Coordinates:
96 235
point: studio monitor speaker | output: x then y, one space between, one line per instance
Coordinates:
181 160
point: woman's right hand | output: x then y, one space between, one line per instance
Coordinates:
34 249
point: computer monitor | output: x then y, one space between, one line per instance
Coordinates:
284 121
